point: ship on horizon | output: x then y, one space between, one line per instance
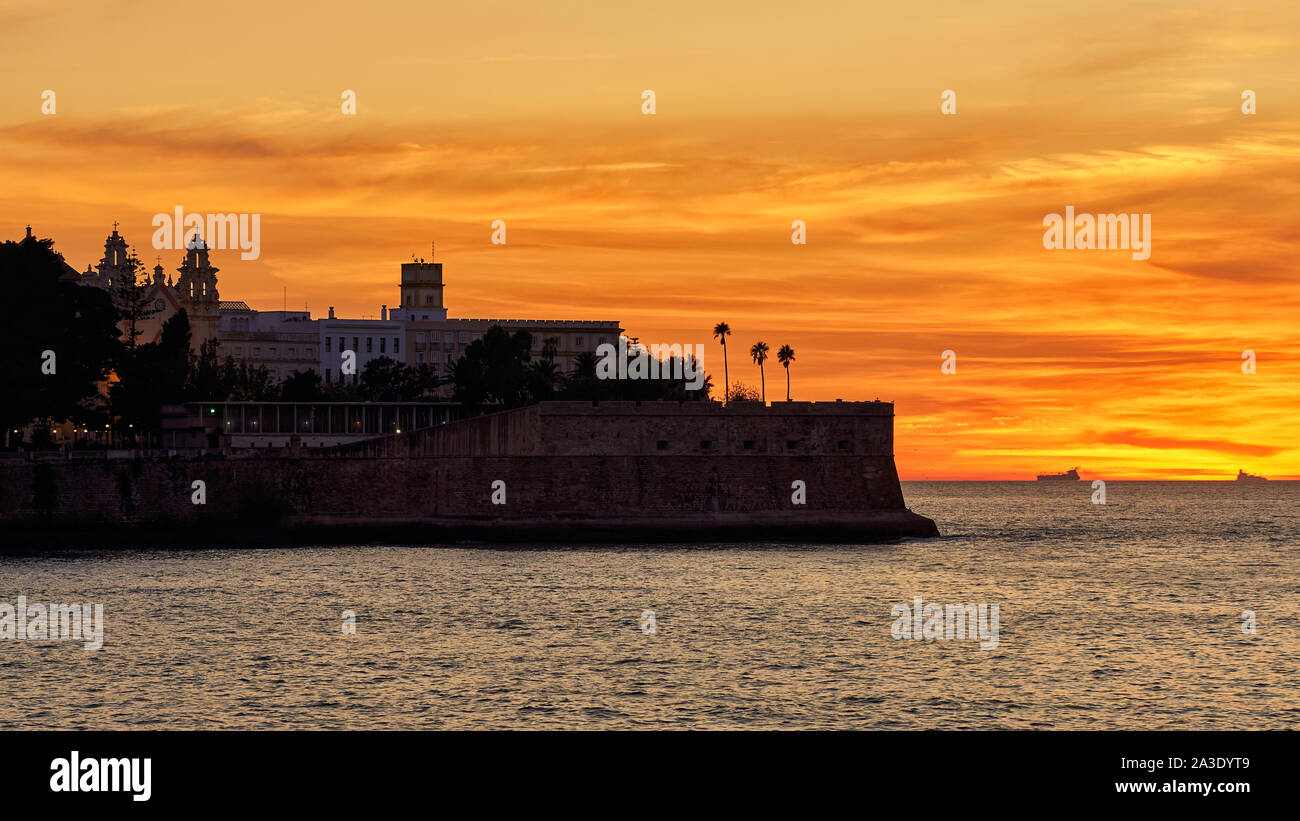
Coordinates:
1071 475
1243 476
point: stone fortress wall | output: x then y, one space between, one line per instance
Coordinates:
557 471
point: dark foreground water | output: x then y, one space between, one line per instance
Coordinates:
1122 616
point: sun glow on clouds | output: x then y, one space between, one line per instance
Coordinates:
924 231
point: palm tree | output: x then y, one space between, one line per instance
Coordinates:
550 347
721 331
759 354
785 356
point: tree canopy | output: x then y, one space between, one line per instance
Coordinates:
61 342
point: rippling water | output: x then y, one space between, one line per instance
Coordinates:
1122 616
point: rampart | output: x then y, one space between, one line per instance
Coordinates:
557 472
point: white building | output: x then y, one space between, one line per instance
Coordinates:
417 332
367 339
435 339
281 341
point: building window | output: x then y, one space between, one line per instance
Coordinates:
662 444
292 353
383 344
328 375
343 343
749 444
327 344
428 300
705 444
370 344
419 359
791 444
356 344
419 340
257 352
843 444
273 350
449 338
580 342
311 353
397 344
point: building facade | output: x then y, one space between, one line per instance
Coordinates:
416 332
433 338
366 339
281 341
441 342
195 290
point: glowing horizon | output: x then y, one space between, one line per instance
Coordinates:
924 230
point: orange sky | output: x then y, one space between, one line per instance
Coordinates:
924 230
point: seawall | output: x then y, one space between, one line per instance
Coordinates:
557 472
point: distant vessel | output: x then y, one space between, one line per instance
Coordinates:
1243 476
1071 475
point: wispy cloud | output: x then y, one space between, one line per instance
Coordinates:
924 231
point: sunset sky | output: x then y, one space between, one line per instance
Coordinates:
924 231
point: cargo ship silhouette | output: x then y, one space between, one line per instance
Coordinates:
1243 476
1071 475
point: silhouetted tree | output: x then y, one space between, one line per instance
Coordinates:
785 356
494 369
424 380
133 305
550 347
151 375
386 380
759 354
248 384
720 332
586 383
50 312
740 392
542 378
207 378
582 383
302 386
